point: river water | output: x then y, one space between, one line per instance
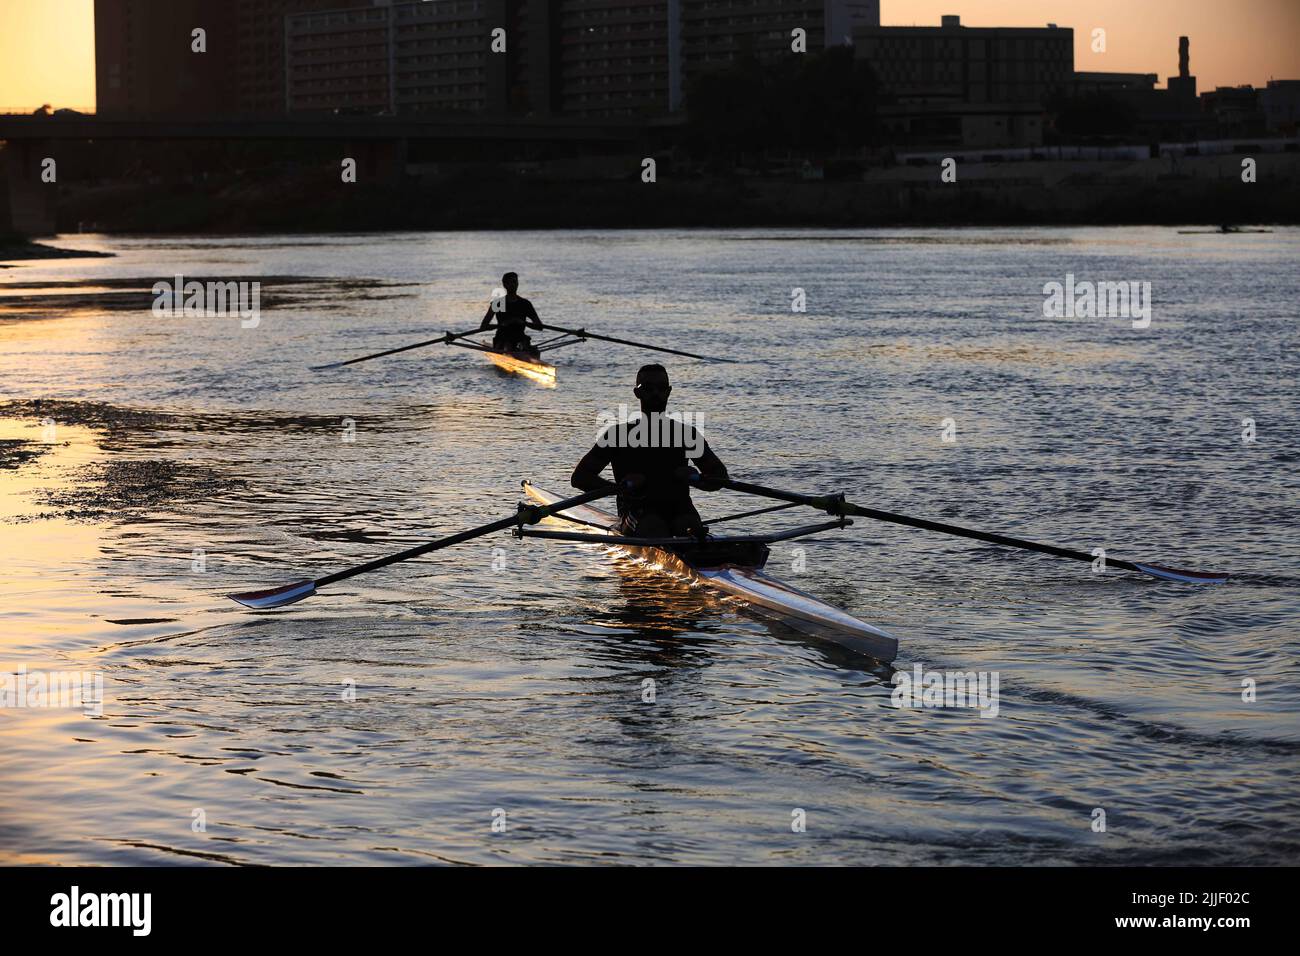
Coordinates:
490 703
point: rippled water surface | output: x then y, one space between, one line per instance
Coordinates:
500 679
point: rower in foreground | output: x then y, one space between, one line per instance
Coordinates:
655 458
513 313
657 521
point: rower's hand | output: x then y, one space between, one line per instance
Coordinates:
691 476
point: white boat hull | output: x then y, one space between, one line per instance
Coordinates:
521 363
761 592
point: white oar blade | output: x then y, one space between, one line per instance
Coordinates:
276 597
1184 577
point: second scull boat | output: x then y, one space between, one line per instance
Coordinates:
529 364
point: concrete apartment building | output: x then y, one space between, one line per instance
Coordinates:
144 63
585 58
400 58
944 85
258 54
589 58
967 86
1281 103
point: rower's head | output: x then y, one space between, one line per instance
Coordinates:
652 388
511 282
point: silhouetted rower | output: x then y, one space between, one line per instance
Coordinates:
652 457
513 313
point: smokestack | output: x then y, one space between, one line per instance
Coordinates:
1183 66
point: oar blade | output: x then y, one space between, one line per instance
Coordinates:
275 597
1176 574
528 514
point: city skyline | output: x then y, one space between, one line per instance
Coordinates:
47 54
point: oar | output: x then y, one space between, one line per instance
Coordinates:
836 505
527 514
584 334
445 338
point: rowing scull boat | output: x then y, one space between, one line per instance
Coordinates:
528 364
522 363
732 565
745 580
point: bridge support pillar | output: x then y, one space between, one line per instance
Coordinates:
26 203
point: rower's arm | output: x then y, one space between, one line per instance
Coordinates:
530 316
586 477
487 319
712 470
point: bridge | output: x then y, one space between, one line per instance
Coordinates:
381 144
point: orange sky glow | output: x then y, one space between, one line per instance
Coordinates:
1233 42
47 50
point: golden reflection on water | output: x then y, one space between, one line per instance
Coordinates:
44 551
526 684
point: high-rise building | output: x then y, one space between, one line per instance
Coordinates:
411 57
260 66
975 87
845 16
614 57
338 60
589 58
146 62
617 58
145 65
953 63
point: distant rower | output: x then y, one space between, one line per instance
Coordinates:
657 502
513 312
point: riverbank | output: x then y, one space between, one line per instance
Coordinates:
17 249
609 194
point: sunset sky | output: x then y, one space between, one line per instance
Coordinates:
47 46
